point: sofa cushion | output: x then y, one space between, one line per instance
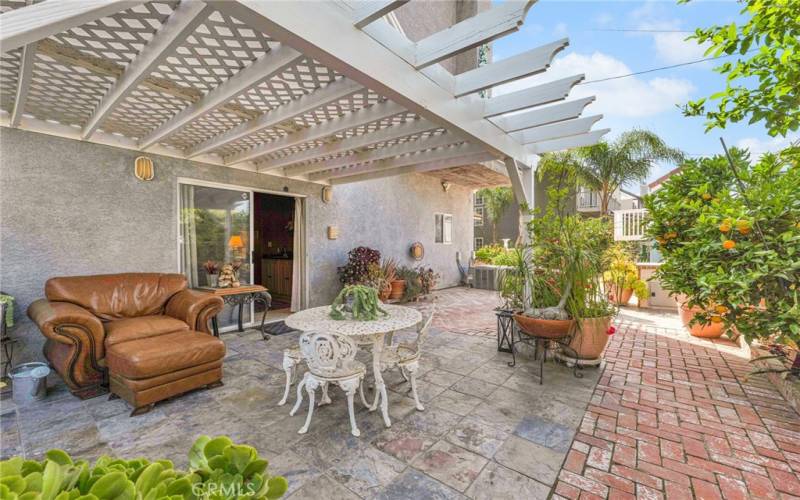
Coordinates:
116 296
124 330
153 356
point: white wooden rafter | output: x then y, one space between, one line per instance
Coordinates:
293 162
181 23
574 141
23 82
507 70
31 23
372 10
319 98
442 153
531 97
363 116
274 62
556 130
458 161
373 155
543 115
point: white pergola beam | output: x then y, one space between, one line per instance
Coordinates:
556 130
574 141
445 139
530 97
180 24
372 10
363 116
470 33
543 115
294 168
420 167
507 70
31 23
272 63
310 28
319 98
444 153
521 178
23 82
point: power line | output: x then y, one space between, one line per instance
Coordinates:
661 68
631 30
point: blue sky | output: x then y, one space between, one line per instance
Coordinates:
644 101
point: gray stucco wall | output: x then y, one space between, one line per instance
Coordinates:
75 208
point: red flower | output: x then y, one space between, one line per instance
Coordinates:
611 330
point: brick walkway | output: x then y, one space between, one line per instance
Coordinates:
675 417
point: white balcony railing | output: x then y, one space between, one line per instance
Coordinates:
629 225
588 201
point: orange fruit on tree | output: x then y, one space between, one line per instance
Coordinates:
706 196
728 244
670 235
716 319
724 227
721 309
743 226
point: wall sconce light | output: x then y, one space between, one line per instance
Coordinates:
143 169
333 232
445 186
327 194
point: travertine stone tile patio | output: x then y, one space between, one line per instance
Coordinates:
488 430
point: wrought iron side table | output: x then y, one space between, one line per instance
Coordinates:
505 327
241 295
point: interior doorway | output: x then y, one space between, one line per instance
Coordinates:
273 249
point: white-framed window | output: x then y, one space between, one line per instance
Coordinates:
443 227
478 243
477 200
478 216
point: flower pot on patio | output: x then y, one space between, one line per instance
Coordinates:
619 299
551 328
398 288
709 331
385 293
591 337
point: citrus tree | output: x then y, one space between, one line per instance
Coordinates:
730 237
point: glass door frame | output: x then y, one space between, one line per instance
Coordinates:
233 187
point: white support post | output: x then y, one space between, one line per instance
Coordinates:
574 141
319 98
273 62
363 116
418 168
23 82
507 70
32 23
373 10
556 130
180 24
350 144
530 97
543 115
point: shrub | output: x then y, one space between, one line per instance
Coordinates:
489 252
732 245
356 271
427 279
218 469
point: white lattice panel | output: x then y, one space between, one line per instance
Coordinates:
64 93
218 49
9 72
351 103
142 111
120 37
203 128
295 82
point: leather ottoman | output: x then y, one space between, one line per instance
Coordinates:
151 369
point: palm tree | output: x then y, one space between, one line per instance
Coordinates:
606 166
495 202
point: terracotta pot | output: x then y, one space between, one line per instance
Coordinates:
709 331
623 300
551 328
591 339
384 294
398 288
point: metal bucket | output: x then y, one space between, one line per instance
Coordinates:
29 382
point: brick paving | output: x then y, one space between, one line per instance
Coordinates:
676 417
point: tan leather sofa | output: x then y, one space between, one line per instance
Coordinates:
143 336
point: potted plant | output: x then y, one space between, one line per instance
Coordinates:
621 277
381 276
356 270
427 279
212 273
359 302
411 286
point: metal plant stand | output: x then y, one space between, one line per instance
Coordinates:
505 327
540 343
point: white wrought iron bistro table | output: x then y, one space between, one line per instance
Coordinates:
365 332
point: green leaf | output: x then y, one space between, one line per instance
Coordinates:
59 456
216 446
277 487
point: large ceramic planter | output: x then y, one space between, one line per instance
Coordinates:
549 328
398 288
621 299
709 331
591 337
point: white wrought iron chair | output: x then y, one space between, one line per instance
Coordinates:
331 360
291 358
405 356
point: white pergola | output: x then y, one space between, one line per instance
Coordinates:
328 92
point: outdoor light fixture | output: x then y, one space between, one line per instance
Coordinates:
327 194
333 232
143 169
445 186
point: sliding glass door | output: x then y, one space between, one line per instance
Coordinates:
215 231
